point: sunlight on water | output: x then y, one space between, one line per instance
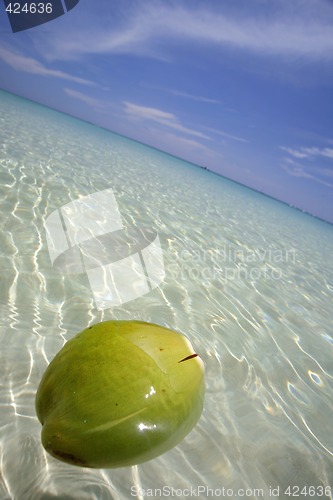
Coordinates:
247 279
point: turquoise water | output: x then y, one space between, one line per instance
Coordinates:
248 279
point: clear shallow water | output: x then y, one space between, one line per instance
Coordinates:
248 280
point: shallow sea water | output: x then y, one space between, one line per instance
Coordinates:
248 279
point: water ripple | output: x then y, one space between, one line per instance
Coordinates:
246 281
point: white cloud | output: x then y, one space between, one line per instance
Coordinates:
301 29
300 171
326 152
205 100
189 144
30 65
226 134
295 169
183 147
308 170
305 152
91 101
150 113
294 152
193 97
161 117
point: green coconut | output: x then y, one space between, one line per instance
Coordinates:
120 393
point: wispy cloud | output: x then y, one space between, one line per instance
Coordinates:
91 101
192 97
29 65
188 144
294 152
305 152
202 99
295 169
302 162
161 117
301 29
226 134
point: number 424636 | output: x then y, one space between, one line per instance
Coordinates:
31 8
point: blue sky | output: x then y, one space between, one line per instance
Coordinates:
244 87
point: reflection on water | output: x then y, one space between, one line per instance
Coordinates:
247 279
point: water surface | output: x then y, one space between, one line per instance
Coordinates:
248 279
